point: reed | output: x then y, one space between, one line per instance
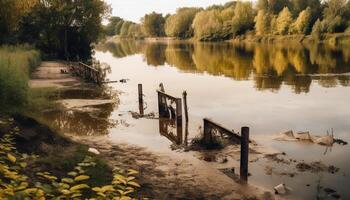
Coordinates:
16 62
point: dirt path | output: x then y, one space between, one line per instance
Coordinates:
163 176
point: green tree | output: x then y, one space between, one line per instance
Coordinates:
70 27
243 19
262 23
111 26
153 24
11 12
284 20
179 24
302 23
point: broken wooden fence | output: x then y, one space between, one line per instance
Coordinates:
86 72
211 128
166 108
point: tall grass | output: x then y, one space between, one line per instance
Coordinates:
16 62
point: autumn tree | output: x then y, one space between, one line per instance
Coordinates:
243 19
135 31
284 20
301 24
124 31
207 25
179 24
262 23
317 30
263 5
153 24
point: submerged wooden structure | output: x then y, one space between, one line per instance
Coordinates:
86 72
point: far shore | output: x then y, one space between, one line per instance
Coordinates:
331 38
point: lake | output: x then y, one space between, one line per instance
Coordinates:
270 88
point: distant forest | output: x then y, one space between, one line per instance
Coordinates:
236 18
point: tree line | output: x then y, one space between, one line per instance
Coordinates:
64 29
221 22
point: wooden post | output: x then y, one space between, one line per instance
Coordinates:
179 111
140 99
140 93
184 94
160 105
207 132
244 153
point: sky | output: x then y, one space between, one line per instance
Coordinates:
133 10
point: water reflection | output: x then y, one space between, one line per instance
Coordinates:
270 66
86 122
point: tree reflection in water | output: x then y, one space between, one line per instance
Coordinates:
270 66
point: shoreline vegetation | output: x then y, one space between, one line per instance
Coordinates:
262 21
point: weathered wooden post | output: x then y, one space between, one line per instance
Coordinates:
140 99
207 132
179 112
184 94
161 105
244 153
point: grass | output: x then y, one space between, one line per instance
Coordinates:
16 62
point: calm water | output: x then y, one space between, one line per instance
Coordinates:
269 88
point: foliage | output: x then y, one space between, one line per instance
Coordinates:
301 24
153 24
243 19
15 65
15 184
334 15
124 31
268 17
70 26
135 31
11 12
208 25
262 23
284 20
112 28
179 24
